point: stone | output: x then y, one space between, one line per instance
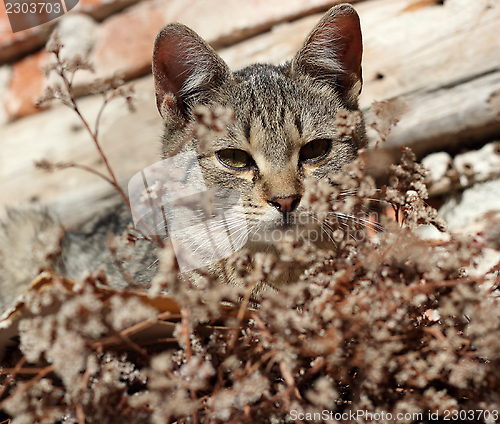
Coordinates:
15 45
437 165
466 211
25 86
479 165
464 170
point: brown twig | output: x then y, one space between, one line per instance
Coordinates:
26 386
11 377
60 68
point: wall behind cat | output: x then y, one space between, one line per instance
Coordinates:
424 52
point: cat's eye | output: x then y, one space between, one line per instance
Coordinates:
315 150
234 158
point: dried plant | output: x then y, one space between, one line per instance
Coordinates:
386 114
407 193
390 329
63 91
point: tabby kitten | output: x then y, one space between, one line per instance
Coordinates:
284 126
283 132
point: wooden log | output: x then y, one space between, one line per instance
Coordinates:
450 118
130 141
443 60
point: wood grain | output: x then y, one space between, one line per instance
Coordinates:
443 60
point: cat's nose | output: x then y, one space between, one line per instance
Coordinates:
285 204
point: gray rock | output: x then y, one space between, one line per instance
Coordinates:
479 165
467 209
437 164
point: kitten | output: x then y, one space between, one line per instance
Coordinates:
284 126
283 132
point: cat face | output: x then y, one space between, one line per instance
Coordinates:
284 126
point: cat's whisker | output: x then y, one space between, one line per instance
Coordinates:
255 230
322 224
243 231
152 264
372 225
359 220
213 241
351 217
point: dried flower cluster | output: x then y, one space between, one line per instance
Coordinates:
387 329
353 337
211 124
386 114
407 193
64 91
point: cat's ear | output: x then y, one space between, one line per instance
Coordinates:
186 70
332 52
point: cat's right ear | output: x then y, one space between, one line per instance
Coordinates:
186 71
332 52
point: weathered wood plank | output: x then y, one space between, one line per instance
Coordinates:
451 117
434 47
443 60
129 140
123 43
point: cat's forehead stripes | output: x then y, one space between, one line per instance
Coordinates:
270 122
276 114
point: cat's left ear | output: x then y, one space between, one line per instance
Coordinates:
186 71
332 52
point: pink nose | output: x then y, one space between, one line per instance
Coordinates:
286 204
